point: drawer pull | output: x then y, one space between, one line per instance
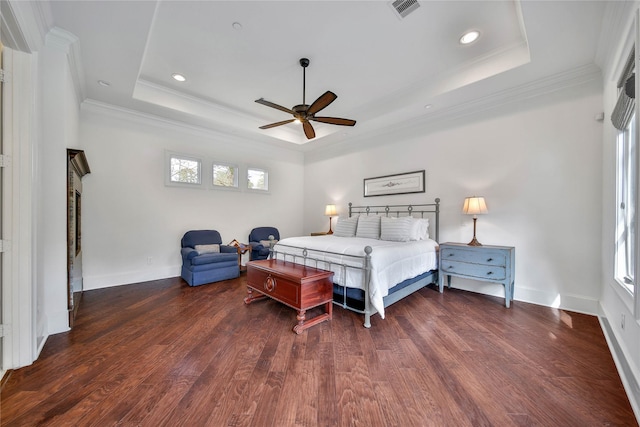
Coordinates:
489 273
490 259
270 284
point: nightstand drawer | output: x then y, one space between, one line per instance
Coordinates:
478 271
485 257
488 263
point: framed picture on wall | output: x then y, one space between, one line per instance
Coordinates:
404 183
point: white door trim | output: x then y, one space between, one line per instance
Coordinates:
18 301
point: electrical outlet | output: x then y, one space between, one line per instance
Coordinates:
149 260
622 321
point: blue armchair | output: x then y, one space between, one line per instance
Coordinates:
257 239
205 259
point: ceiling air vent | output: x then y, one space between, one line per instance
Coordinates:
404 7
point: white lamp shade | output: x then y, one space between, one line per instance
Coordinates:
330 210
474 206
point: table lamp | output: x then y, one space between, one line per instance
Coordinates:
330 211
474 206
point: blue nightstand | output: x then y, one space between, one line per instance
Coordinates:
486 263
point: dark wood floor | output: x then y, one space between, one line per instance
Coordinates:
162 353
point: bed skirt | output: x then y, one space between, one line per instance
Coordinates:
355 297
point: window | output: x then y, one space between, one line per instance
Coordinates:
201 172
627 175
225 175
184 170
623 118
257 179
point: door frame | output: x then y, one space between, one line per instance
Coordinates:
21 345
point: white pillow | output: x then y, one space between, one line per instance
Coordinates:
267 243
396 229
420 229
368 227
207 249
346 227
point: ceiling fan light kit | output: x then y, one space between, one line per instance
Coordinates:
304 113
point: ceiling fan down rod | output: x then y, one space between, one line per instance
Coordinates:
304 62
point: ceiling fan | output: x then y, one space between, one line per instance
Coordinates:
304 113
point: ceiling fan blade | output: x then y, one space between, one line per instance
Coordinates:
322 102
272 125
334 121
308 130
276 106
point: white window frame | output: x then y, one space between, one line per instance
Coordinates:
169 155
629 295
236 175
626 207
266 179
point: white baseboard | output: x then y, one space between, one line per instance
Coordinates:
40 345
627 375
574 303
57 322
107 281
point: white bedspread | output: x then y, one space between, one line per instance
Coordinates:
391 262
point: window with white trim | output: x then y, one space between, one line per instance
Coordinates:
257 179
627 176
224 175
623 118
184 170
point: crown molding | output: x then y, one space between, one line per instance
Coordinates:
455 114
69 44
238 140
553 83
153 93
28 21
93 106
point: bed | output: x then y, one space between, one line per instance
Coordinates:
371 273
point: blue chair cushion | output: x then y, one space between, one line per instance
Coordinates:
214 258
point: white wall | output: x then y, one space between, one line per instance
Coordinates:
59 130
537 163
132 223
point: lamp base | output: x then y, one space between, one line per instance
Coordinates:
330 230
474 242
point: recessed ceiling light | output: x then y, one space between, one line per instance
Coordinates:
104 83
237 26
426 107
179 77
469 37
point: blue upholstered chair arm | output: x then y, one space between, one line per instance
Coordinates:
188 253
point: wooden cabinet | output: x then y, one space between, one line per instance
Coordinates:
295 285
486 263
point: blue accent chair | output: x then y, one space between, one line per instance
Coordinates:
258 235
198 269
